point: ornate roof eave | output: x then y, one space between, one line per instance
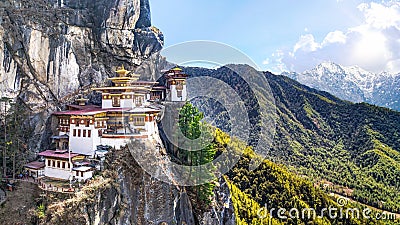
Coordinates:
121 88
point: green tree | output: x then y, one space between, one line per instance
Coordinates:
191 125
16 132
5 105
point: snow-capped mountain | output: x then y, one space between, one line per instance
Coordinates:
353 84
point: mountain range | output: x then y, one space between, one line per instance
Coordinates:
352 147
353 83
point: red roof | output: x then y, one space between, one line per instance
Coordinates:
54 154
175 73
35 165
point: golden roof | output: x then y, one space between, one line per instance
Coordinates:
122 72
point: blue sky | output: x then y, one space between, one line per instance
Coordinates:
287 35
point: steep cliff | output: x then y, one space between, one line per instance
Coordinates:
50 49
126 194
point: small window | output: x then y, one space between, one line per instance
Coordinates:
54 163
89 133
79 133
116 101
48 162
138 121
65 145
81 173
63 165
74 132
138 100
84 133
77 173
58 164
179 87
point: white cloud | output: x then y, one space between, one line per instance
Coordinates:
334 37
306 43
381 16
275 62
374 45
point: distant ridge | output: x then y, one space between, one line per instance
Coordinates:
353 83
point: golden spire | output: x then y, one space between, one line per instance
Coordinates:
81 100
122 72
177 68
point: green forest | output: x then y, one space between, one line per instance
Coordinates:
341 147
271 185
15 134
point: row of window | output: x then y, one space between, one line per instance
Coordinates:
64 122
85 122
101 124
79 173
124 97
57 164
97 124
62 165
82 133
138 121
178 82
63 128
116 101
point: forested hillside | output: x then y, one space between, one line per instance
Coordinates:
270 187
353 149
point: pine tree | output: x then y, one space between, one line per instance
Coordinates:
17 131
5 103
192 127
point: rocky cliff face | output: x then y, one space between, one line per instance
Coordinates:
126 194
50 49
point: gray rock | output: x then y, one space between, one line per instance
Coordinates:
51 49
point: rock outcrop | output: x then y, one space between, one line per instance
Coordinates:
126 194
52 49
